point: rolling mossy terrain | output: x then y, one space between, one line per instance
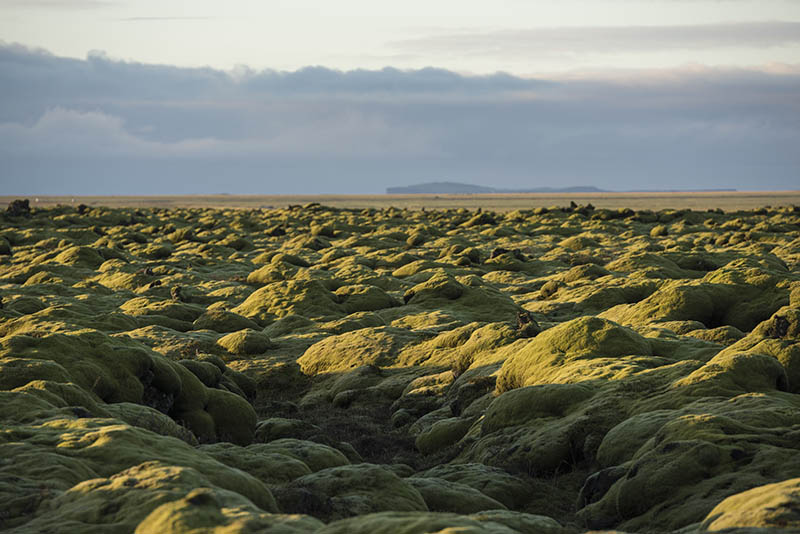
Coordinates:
324 370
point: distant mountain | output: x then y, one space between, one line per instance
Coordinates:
454 188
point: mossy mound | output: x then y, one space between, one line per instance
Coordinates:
245 342
115 371
66 452
772 506
444 523
307 298
137 498
469 298
259 460
711 447
493 482
314 455
367 346
740 294
575 351
445 496
201 511
359 298
223 322
353 490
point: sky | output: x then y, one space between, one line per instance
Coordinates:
279 97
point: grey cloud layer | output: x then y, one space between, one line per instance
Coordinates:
56 4
599 39
103 126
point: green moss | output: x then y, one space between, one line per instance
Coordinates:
442 434
258 460
245 342
771 506
234 417
369 346
544 359
310 299
445 496
359 298
491 481
521 405
315 455
223 322
360 489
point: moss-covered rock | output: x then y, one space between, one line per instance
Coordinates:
258 460
359 489
574 351
358 298
367 346
201 511
772 506
442 434
245 342
315 455
223 322
493 482
307 298
445 496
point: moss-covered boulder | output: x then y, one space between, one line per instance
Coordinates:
353 490
367 346
359 298
307 298
223 322
201 511
259 460
493 482
315 455
468 298
245 342
585 348
445 496
490 522
772 506
128 501
710 449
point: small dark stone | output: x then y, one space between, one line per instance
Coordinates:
82 208
549 289
598 484
779 327
157 399
527 325
299 500
202 497
81 412
497 252
176 293
19 208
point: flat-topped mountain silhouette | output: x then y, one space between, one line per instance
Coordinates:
455 188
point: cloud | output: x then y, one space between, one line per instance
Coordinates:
58 4
100 125
606 39
162 19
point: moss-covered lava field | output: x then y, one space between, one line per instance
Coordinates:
330 370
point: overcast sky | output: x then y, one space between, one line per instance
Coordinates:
146 97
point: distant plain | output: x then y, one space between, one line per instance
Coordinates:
725 200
